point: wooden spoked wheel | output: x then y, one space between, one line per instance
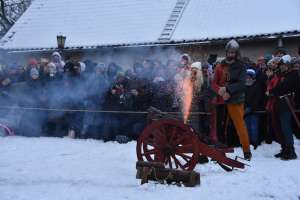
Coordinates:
5 131
170 142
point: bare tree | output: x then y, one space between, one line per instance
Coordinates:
10 11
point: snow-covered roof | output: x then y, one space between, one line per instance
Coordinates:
94 23
89 23
216 19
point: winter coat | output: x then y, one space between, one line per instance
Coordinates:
35 93
96 88
206 90
286 85
60 64
254 96
162 97
143 100
232 76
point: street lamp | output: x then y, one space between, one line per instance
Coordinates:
61 40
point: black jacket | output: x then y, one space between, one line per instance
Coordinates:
254 97
286 86
235 84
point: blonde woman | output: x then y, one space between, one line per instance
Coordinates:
196 81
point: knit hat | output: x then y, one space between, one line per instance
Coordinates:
286 59
32 61
196 65
251 73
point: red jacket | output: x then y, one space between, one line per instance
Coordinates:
221 76
271 100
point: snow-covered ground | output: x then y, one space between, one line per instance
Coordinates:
66 169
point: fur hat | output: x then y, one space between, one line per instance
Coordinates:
56 54
187 57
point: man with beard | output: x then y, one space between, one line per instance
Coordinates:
229 84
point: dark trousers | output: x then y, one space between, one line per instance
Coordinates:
286 125
221 120
252 126
276 127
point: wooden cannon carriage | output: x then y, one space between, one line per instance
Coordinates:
169 141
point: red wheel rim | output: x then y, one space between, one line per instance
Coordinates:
170 142
7 130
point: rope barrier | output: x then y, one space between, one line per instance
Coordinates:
106 111
91 111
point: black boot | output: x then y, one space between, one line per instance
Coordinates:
202 159
289 154
247 155
255 146
282 151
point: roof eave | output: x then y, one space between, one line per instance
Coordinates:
288 34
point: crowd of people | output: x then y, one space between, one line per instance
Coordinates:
255 100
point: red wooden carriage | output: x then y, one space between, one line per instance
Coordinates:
176 144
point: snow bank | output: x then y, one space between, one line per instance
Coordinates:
62 169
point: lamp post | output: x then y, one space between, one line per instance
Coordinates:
61 40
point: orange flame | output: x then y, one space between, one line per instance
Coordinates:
187 87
